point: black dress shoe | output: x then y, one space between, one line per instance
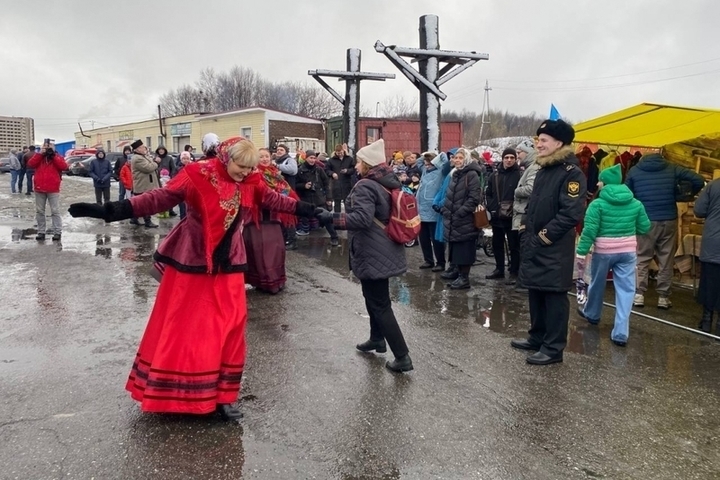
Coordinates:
524 345
426 265
495 275
40 237
379 346
402 364
451 273
228 412
539 358
438 268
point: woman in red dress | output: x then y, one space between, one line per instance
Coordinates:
265 244
192 355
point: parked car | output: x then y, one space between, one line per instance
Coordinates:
82 167
5 165
74 159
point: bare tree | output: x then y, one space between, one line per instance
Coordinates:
399 107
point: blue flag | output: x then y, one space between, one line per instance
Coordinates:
554 114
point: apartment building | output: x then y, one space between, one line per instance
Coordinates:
16 132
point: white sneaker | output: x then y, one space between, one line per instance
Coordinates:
639 300
664 303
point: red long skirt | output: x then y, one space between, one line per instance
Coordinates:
192 353
265 249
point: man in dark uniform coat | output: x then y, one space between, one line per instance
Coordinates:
556 205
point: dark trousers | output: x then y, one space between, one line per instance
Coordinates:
429 245
290 235
304 225
102 194
29 174
183 210
549 315
21 177
382 319
500 232
337 205
122 192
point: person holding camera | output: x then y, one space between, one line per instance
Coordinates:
48 166
313 185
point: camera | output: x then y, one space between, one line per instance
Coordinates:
49 152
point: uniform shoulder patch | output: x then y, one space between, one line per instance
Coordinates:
573 189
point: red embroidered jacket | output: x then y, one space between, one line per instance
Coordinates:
209 239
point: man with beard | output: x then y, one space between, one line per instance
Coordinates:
556 205
286 164
340 169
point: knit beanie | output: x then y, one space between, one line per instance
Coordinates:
373 154
525 146
612 175
509 151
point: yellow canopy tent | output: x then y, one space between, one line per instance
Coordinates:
685 133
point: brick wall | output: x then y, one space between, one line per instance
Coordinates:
281 129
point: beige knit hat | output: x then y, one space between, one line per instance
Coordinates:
373 154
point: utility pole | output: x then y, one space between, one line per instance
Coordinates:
351 102
430 76
485 108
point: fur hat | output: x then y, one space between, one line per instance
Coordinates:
525 146
373 154
210 141
136 144
558 129
509 151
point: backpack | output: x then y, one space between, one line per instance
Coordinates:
404 225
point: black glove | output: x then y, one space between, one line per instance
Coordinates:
304 209
325 217
110 212
437 208
92 210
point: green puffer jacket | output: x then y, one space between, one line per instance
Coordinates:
614 214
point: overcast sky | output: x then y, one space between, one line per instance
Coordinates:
108 62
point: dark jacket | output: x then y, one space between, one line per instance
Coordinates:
501 187
556 206
461 199
119 163
26 159
167 162
373 256
100 171
341 186
315 175
707 206
653 182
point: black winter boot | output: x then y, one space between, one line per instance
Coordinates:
229 412
461 283
451 273
402 364
706 320
378 345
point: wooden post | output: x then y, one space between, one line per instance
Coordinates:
351 107
429 67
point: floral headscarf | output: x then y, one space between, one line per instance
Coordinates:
223 150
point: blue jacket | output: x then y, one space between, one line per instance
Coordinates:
101 172
438 202
653 182
430 183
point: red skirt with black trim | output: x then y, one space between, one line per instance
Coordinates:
192 353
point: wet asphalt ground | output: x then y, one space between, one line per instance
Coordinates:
72 315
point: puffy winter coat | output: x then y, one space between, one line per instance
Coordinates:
614 218
707 206
431 181
653 182
145 175
126 176
556 206
373 256
315 175
47 172
461 199
101 172
341 186
523 190
501 188
288 167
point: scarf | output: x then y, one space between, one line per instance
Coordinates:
274 179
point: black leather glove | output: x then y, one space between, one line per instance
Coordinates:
304 209
110 212
92 210
325 217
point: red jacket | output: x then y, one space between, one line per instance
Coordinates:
126 176
47 172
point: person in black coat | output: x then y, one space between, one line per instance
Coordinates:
311 184
556 205
374 257
101 172
340 168
500 196
461 199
